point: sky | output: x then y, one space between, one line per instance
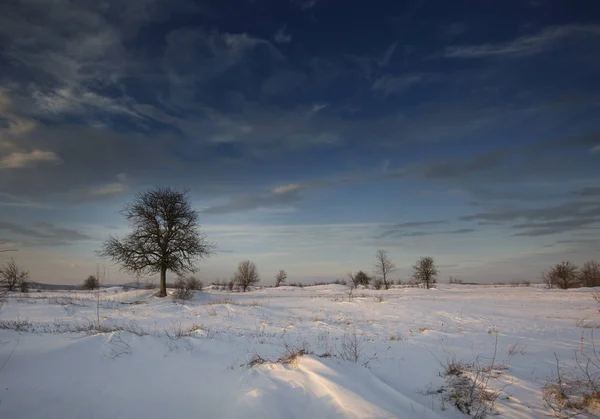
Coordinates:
309 133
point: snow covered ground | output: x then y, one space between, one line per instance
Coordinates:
379 354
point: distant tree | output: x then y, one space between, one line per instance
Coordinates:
280 278
563 275
11 276
589 275
231 284
359 278
383 267
91 283
246 275
165 236
425 271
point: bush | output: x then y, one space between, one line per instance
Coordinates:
185 288
194 283
11 276
377 284
589 275
576 391
563 275
24 286
360 278
91 283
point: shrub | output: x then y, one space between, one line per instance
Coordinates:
11 276
24 286
377 284
563 275
360 278
182 289
91 283
589 275
194 283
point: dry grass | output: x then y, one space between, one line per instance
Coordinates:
467 385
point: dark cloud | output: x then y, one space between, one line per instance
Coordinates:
590 191
44 234
399 233
556 227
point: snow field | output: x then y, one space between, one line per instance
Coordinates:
378 354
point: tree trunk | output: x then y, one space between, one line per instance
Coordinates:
163 282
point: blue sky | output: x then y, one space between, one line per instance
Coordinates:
310 132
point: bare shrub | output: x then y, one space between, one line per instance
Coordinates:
91 283
280 278
351 347
194 283
383 268
183 290
563 275
246 275
425 271
150 285
516 349
467 386
377 284
231 284
576 391
24 286
11 276
589 275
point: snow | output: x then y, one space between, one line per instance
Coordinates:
191 359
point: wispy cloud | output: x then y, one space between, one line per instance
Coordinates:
388 85
525 45
19 160
281 37
387 55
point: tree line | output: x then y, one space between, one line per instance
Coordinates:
165 236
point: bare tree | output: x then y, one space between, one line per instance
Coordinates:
563 275
91 283
11 276
589 274
280 278
425 271
246 275
165 236
383 267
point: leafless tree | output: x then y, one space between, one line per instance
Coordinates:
425 271
563 275
280 278
91 283
11 276
246 275
383 267
165 236
589 274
